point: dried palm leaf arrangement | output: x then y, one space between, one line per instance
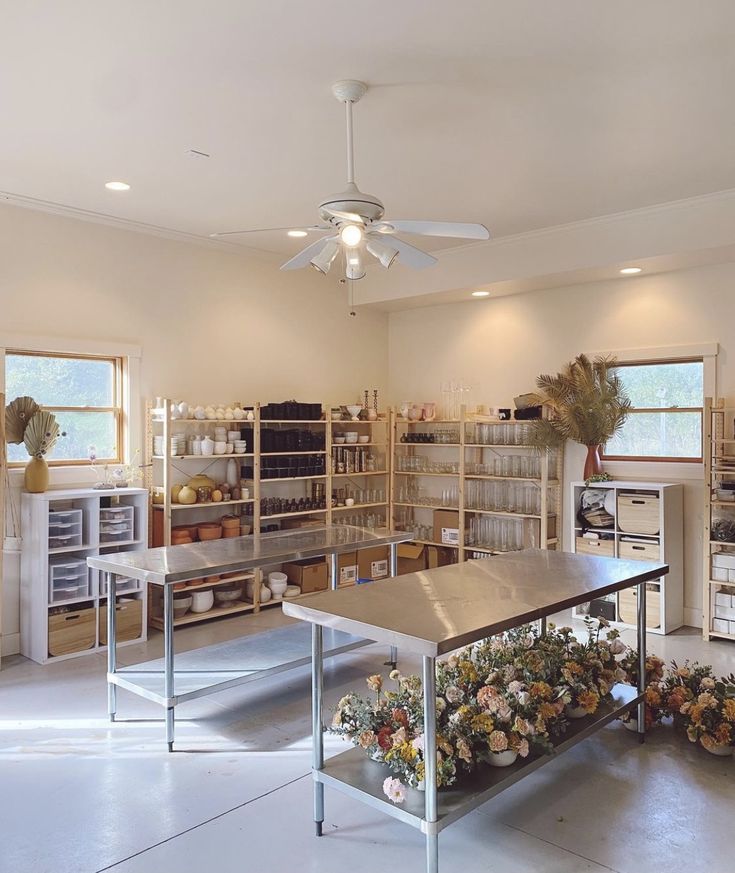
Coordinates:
17 415
41 434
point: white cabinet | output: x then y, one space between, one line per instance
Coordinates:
635 521
62 606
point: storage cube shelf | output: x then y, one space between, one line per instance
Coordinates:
62 602
646 525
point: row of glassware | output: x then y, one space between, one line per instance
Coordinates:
503 496
423 464
519 466
502 434
502 534
370 520
414 494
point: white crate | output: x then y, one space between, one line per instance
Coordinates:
720 574
720 559
721 625
724 598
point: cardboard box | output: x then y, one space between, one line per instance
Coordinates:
310 576
373 563
440 557
298 523
412 557
347 568
446 526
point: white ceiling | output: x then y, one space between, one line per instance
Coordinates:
520 115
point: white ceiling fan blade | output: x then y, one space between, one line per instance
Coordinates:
311 229
455 229
305 255
410 255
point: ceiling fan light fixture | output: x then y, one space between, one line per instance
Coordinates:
354 269
480 293
351 235
385 253
323 261
297 233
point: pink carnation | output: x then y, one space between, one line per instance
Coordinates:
497 741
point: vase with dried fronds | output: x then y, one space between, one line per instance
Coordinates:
586 403
38 430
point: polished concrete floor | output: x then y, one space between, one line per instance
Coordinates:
79 795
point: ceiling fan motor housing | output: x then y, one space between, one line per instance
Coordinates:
369 207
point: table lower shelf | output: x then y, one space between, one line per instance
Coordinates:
356 775
208 670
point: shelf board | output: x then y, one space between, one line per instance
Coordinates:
415 473
282 454
356 445
372 473
425 505
721 543
723 503
343 421
431 421
116 544
722 636
203 584
54 604
206 505
268 421
214 612
201 457
290 514
532 479
727 584
426 445
293 478
501 512
356 506
235 422
499 446
432 543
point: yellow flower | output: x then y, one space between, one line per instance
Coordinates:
723 734
540 689
408 752
695 713
375 683
482 723
589 700
728 709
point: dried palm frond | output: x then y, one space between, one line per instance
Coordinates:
586 403
41 434
17 415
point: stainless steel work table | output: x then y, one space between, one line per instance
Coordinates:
224 665
437 611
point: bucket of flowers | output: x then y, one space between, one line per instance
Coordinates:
655 710
702 705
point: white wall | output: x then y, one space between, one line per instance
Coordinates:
500 346
213 326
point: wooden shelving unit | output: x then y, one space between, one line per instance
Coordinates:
461 458
718 578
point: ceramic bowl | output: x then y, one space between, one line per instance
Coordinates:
292 591
182 604
233 435
229 448
354 411
339 440
364 438
209 531
220 447
227 594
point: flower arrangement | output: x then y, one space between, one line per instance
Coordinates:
655 710
502 698
702 705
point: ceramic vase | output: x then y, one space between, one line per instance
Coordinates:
575 711
207 445
502 759
232 477
592 464
36 476
202 601
722 750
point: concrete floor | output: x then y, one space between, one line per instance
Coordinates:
78 795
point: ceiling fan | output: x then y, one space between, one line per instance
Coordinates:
352 222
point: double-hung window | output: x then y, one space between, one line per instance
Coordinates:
665 422
85 394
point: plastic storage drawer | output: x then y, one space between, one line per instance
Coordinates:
67 580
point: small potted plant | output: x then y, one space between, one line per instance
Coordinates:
654 699
703 706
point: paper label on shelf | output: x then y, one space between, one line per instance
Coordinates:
378 569
349 574
450 536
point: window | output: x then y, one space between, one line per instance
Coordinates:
665 423
83 392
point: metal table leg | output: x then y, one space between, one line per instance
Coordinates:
317 729
430 789
642 660
542 626
111 585
334 573
393 658
168 657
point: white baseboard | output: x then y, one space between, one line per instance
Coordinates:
692 617
10 644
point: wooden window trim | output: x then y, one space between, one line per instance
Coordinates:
662 410
119 366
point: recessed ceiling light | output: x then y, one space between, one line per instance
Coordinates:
480 293
629 271
297 233
117 186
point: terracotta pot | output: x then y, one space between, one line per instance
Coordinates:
592 464
36 476
230 532
230 522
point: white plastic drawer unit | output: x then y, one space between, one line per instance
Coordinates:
64 528
67 580
124 584
117 524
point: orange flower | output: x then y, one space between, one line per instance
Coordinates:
540 689
653 698
547 710
695 713
722 734
728 709
589 700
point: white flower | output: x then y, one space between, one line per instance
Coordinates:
528 641
524 698
454 694
617 647
395 675
515 687
418 743
707 682
452 661
394 790
441 704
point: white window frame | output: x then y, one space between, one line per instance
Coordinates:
664 470
78 474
